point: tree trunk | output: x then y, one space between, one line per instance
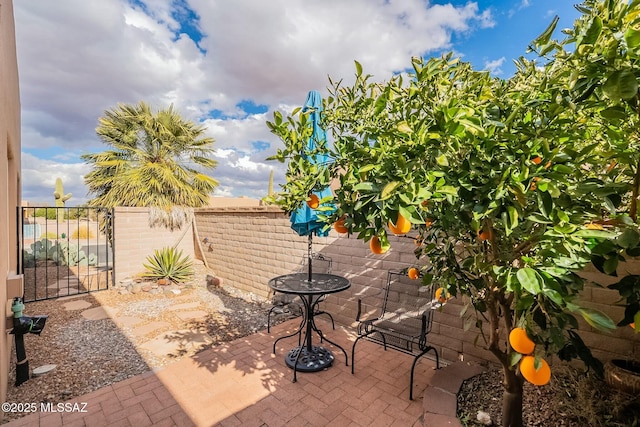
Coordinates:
512 399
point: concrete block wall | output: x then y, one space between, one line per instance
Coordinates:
134 240
249 246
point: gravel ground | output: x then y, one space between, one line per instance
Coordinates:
91 354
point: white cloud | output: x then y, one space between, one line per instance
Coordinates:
494 66
39 179
78 58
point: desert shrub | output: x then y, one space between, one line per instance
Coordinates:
49 213
49 235
82 232
75 213
169 263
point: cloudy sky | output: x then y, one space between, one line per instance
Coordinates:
229 65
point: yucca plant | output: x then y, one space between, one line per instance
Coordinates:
169 263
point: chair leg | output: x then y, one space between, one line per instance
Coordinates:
333 324
413 367
269 319
353 354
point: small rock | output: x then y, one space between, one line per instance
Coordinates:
484 418
214 281
41 370
176 291
126 282
155 291
66 392
146 287
136 288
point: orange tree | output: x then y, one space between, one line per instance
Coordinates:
507 184
600 61
494 167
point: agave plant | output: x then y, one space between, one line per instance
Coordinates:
169 263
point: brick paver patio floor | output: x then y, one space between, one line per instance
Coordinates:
242 383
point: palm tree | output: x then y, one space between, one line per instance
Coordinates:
154 160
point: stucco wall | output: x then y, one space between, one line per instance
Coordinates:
9 179
249 246
134 240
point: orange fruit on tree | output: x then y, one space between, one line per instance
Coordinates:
313 201
633 326
520 341
340 227
428 223
413 273
376 246
402 225
529 372
536 160
442 296
484 234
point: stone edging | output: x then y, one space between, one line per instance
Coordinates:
441 395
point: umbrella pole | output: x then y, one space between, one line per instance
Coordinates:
309 252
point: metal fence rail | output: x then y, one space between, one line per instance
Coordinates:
65 251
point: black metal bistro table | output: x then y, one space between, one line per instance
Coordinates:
308 357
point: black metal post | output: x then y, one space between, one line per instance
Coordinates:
22 364
309 254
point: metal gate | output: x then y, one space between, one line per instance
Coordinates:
65 251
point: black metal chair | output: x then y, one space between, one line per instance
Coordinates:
291 305
398 316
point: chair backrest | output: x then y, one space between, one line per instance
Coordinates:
406 297
319 264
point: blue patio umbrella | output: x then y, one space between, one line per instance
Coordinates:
304 221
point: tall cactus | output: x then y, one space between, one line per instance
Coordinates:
270 190
60 198
59 194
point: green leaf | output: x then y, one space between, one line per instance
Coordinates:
596 318
404 127
358 69
614 113
363 186
545 203
388 189
544 38
514 358
442 160
592 34
610 265
447 189
529 280
629 239
632 37
564 169
381 103
621 84
596 234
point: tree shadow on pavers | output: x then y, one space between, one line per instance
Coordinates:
87 347
238 337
